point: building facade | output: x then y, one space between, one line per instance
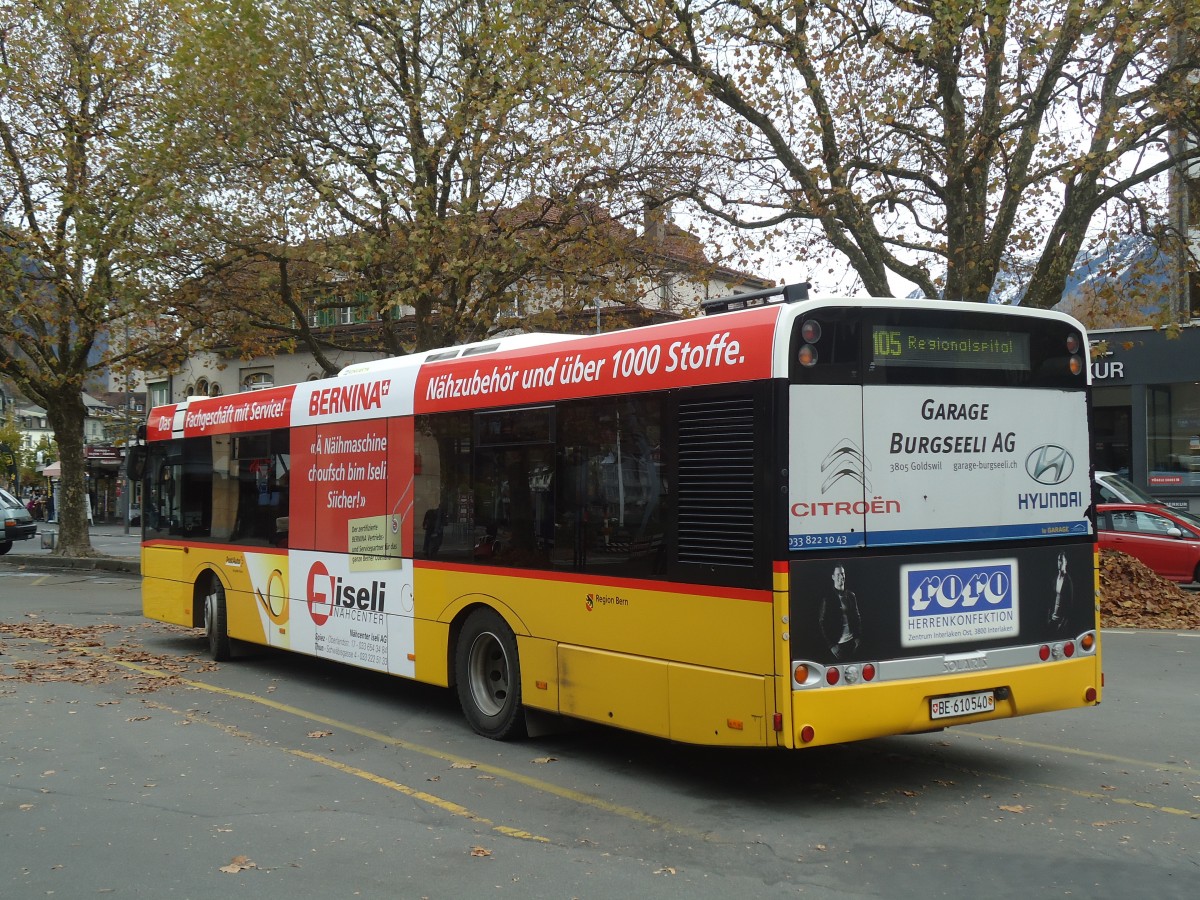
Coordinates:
1146 409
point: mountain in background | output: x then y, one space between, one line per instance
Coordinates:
1127 282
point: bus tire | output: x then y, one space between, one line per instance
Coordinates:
488 676
216 621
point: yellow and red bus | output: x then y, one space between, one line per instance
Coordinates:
788 522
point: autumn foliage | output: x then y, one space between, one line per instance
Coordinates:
1133 596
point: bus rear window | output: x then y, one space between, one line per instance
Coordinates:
891 345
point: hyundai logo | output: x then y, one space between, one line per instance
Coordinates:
1049 464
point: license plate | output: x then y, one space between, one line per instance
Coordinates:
962 705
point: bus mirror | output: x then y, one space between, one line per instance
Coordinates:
141 433
135 463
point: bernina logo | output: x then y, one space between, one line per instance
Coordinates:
1050 464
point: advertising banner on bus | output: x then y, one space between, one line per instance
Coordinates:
710 350
902 465
892 607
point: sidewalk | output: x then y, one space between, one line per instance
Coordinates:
120 552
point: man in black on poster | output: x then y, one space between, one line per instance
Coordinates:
1063 592
839 619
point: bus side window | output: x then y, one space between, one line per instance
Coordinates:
611 489
162 470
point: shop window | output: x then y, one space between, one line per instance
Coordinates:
1173 434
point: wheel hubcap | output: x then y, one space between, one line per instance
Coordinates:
487 671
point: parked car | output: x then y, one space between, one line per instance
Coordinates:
18 523
1167 540
1109 487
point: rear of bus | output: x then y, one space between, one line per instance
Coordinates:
940 561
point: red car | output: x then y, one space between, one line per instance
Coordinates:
1167 540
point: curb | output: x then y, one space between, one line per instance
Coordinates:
101 563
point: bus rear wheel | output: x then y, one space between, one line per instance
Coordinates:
488 676
216 621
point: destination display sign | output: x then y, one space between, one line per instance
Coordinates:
949 348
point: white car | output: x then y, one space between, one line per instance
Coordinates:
1109 487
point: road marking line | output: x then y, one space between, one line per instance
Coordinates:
537 784
1075 751
447 806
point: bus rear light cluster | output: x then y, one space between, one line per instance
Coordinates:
1076 361
855 674
1065 650
810 675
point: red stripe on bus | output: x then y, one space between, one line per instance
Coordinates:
710 350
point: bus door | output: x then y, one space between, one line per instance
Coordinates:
163 552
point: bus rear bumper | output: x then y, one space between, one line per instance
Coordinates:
834 715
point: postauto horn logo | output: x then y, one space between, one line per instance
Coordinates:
1050 464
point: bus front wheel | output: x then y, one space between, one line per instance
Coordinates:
216 621
488 676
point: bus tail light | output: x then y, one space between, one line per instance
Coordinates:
1087 642
807 733
1069 649
1044 652
868 672
807 356
1090 695
800 673
832 675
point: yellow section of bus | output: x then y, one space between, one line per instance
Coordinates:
858 712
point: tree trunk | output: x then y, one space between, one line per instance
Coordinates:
66 414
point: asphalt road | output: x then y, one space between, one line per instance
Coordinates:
131 766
